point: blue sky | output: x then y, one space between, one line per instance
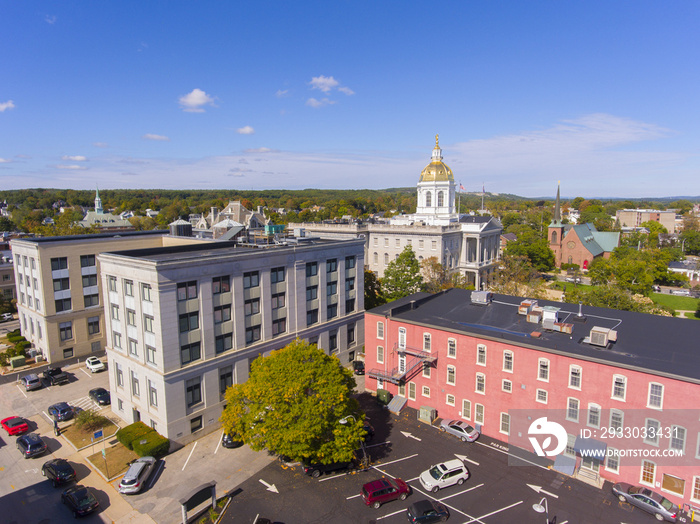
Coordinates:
602 96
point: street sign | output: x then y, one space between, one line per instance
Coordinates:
104 455
98 434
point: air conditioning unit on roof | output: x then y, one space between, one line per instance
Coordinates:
600 336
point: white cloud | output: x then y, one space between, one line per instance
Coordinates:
260 150
312 102
76 158
5 161
73 167
50 19
194 101
324 83
100 144
151 136
346 90
282 93
6 105
247 130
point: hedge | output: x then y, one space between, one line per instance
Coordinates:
128 434
131 436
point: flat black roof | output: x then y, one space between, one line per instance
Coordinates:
654 344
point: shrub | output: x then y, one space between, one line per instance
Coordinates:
89 420
156 445
21 345
14 338
128 434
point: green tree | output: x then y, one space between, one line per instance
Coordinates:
292 405
6 224
402 277
530 244
515 276
373 290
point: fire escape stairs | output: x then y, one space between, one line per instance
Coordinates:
397 375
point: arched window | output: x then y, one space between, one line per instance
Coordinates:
428 199
554 237
441 199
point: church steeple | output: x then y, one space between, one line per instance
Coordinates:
556 221
98 202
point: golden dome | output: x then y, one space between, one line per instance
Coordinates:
437 170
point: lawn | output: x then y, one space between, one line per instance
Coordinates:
117 460
677 303
81 438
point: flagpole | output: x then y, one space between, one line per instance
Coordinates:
483 190
459 203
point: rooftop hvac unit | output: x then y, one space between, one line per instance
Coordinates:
481 297
526 306
600 336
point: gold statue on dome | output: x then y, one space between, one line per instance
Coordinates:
436 140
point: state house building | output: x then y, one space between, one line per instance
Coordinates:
617 381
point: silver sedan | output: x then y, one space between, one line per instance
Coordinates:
462 430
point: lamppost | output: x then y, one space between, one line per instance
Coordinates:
365 458
539 508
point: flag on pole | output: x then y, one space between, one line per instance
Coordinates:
461 187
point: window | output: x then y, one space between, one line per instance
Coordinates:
386 242
68 353
349 262
380 330
673 484
386 259
575 377
120 376
333 341
56 263
223 342
332 311
146 292
190 353
189 321
85 260
376 255
66 330
466 409
311 269
425 391
481 355
193 391
120 404
428 199
61 284
426 369
507 386
225 379
112 283
117 340
402 338
220 285
677 439
543 370
252 334
251 307
696 488
421 242
278 301
594 415
196 424
349 305
451 372
505 423
133 347
479 413
150 354
398 242
619 386
131 317
570 449
89 280
311 317
351 334
129 288
451 348
508 361
148 324
380 355
426 342
93 325
616 420
222 314
572 410
251 279
652 432
433 245
187 290
311 293
350 284
279 326
656 396
450 400
152 394
412 391
276 275
541 396
95 346
612 460
648 473
114 308
331 288
480 383
332 265
135 386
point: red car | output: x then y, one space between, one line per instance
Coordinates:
14 425
378 492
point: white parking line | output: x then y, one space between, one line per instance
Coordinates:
190 456
219 443
397 460
353 497
21 391
88 374
494 512
462 492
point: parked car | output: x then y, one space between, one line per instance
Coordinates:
384 490
58 471
137 475
315 470
55 376
31 445
14 425
646 499
443 475
31 381
80 500
94 364
359 367
681 292
101 396
61 411
7 317
427 511
459 429
656 288
575 280
231 441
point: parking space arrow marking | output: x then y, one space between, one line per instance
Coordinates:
407 434
464 457
538 489
270 487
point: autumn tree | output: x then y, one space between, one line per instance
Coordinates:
292 404
515 276
373 290
402 276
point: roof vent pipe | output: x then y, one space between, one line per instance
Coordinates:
580 314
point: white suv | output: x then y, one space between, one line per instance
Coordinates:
444 475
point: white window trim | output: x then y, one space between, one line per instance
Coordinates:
641 473
483 414
430 342
469 415
612 391
696 480
616 471
685 437
612 412
578 409
539 362
448 348
580 377
658 435
382 352
658 408
422 391
381 337
600 414
454 375
411 397
546 394
402 339
426 367
476 384
512 361
500 426
479 347
697 448
447 399
503 385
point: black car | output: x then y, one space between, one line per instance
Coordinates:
315 470
231 441
359 367
31 445
425 511
58 471
55 376
61 411
100 396
80 500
